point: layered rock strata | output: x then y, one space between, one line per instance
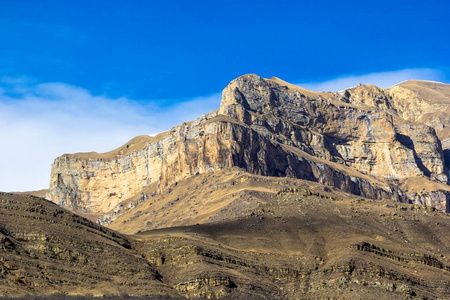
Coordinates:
357 141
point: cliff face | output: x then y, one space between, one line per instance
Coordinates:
357 141
366 139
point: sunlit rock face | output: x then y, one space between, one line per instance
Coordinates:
364 140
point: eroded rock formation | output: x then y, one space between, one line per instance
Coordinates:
366 140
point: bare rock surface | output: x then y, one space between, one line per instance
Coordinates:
365 141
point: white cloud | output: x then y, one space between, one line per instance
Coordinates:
381 79
39 122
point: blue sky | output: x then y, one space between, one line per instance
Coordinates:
89 75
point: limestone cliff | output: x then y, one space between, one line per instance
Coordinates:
358 141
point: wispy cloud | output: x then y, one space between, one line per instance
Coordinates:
39 122
381 79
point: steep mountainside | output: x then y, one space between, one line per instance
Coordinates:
365 141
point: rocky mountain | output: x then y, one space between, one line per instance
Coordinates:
282 193
368 141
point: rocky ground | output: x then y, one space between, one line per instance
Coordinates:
309 244
305 241
46 249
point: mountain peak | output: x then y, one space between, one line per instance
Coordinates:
258 94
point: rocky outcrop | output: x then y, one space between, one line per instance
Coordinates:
355 141
368 140
419 102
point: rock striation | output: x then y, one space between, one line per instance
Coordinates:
46 250
366 141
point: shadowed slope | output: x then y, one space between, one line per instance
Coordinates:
45 249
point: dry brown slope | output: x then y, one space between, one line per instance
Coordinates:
434 92
204 198
297 240
309 244
201 199
134 144
38 193
45 249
